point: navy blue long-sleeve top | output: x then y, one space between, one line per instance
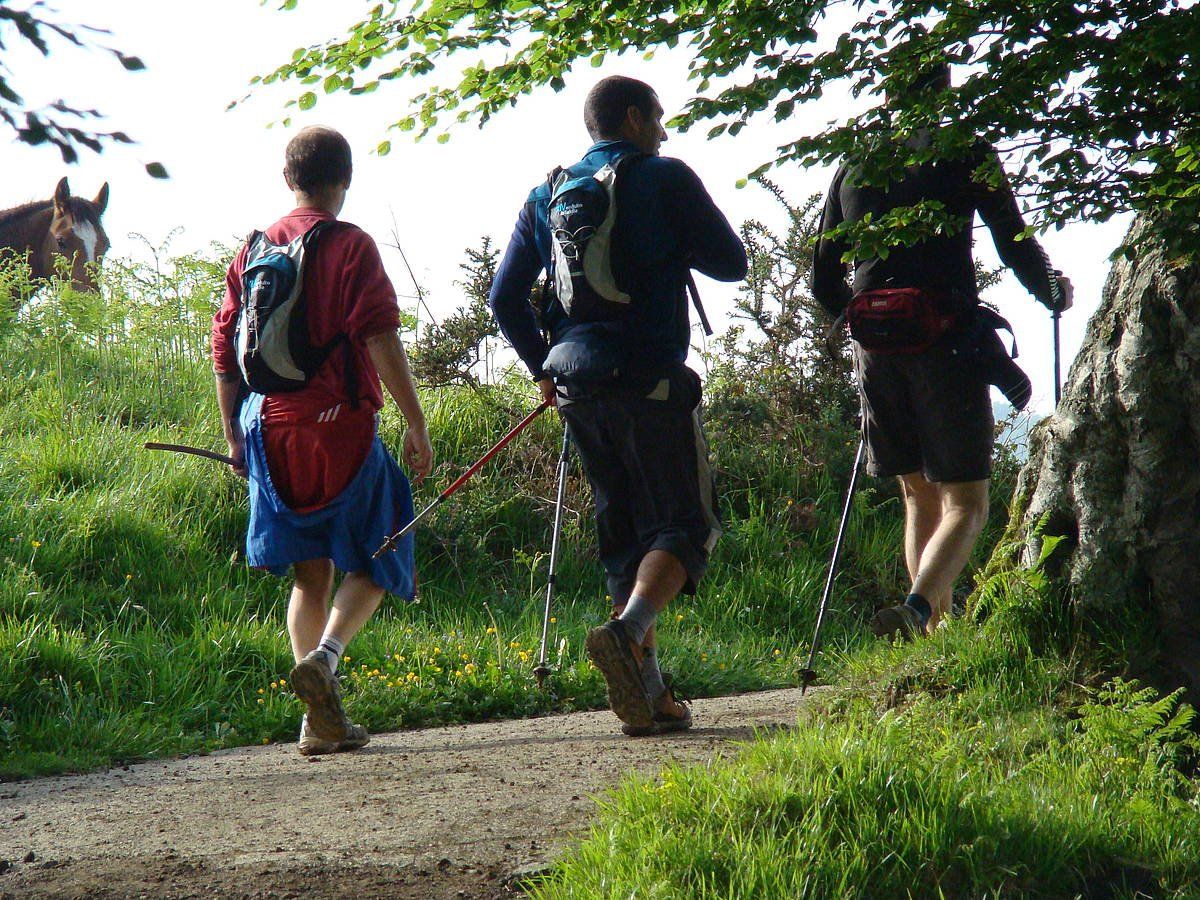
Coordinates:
666 224
942 263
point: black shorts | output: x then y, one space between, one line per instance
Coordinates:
925 412
645 456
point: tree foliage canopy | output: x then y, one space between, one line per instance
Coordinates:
1095 106
65 127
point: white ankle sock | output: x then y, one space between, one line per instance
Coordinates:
333 649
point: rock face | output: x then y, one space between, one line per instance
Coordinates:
1117 468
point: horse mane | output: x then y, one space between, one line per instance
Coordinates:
84 210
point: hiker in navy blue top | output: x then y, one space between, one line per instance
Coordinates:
926 410
628 400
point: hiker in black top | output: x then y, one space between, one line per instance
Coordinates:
927 415
625 395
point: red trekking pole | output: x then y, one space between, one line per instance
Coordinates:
390 543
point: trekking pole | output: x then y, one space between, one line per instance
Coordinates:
542 670
807 674
1056 317
390 543
193 451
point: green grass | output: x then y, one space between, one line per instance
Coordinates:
131 627
971 764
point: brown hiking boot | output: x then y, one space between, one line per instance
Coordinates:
900 621
671 713
318 687
619 661
311 745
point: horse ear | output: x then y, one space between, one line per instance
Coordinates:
62 194
101 200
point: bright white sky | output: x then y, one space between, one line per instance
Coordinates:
225 166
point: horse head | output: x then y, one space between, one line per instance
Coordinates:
76 234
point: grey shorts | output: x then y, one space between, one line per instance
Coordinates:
925 412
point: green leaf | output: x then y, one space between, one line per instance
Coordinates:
307 100
156 170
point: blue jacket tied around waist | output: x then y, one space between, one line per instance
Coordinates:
376 504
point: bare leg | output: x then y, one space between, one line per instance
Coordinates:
660 578
356 601
964 509
922 513
308 608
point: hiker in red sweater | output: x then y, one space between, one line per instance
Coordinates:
309 325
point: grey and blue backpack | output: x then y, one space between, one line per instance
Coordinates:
582 213
274 349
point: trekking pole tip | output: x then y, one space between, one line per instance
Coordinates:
540 673
807 677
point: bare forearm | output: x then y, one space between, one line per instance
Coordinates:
228 388
391 362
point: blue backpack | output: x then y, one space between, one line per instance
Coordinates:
274 350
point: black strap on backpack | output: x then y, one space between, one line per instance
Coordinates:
695 292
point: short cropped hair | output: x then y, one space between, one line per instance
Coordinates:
608 102
317 157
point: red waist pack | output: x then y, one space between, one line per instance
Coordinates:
899 320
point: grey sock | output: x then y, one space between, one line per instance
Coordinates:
638 617
651 675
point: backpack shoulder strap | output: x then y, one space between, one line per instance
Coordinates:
695 292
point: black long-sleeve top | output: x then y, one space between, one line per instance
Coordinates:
942 263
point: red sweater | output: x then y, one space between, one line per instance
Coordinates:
315 440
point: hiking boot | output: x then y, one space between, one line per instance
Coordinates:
897 621
311 745
318 687
671 713
612 652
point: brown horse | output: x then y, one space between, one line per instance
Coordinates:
64 226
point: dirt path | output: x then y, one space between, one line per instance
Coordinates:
444 812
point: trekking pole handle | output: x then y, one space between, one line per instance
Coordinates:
390 544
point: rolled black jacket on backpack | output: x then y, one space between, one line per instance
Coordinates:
942 264
666 224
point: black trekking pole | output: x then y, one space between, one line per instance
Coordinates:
542 670
808 675
1056 317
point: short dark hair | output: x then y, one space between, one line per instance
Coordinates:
608 103
317 157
